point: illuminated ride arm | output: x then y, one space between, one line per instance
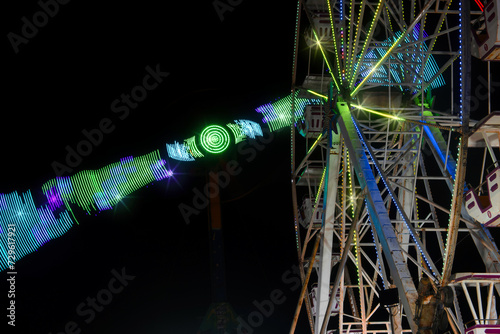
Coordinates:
25 226
26 223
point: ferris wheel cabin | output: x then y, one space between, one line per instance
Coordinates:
486 209
486 33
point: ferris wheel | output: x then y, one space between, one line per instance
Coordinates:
381 197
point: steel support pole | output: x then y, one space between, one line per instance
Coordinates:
343 260
458 189
378 215
326 247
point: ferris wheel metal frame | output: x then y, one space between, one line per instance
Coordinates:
372 212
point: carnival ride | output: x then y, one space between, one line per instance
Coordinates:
378 169
382 161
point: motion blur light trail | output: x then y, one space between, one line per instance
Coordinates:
102 189
214 139
37 221
277 114
31 226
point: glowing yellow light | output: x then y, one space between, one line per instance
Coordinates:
370 32
321 185
334 37
326 60
377 65
314 144
378 113
317 94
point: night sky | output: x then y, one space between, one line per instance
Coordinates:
64 79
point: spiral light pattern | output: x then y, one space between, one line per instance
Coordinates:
215 139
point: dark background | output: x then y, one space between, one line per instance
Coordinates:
64 80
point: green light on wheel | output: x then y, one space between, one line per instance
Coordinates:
215 139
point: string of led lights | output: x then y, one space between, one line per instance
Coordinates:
388 63
408 224
318 42
423 65
361 56
334 36
394 117
458 187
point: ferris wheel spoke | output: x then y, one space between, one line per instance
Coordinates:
424 269
394 8
437 27
432 39
402 212
367 41
325 58
455 213
353 46
389 60
392 47
336 39
347 40
373 281
346 250
426 84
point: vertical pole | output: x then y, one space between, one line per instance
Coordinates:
216 244
469 300
480 304
292 153
488 303
458 190
341 266
292 127
326 247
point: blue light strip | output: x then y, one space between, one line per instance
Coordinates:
380 76
178 151
392 251
32 226
396 203
451 165
249 128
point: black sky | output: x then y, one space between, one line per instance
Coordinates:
64 80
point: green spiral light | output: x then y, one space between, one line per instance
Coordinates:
214 139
